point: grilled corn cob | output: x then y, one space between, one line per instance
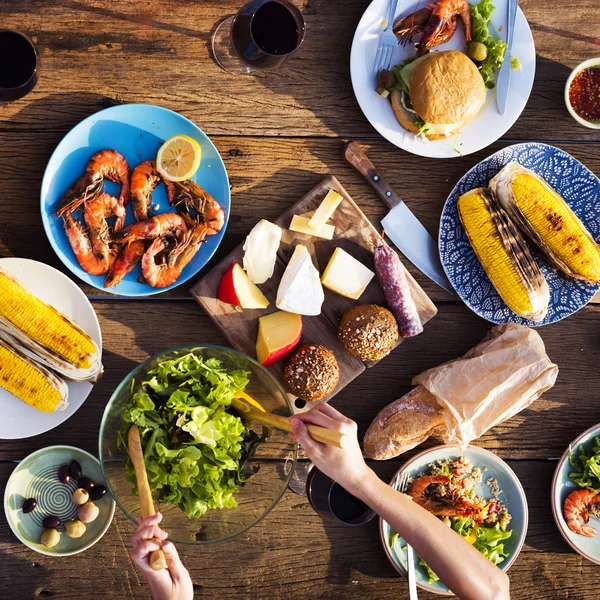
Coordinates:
44 334
503 254
31 382
548 220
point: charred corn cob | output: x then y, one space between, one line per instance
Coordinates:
503 254
44 334
548 220
31 382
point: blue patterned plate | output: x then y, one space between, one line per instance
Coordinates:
574 182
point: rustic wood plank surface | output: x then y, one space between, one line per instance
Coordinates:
279 134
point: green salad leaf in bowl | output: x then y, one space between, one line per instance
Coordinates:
212 475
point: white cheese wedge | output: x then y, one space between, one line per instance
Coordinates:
325 210
260 251
300 225
300 289
346 276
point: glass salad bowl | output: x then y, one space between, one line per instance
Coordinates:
201 473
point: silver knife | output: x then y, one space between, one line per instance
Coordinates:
503 83
401 226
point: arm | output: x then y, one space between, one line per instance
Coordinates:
469 574
172 583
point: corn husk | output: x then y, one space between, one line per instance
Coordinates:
31 382
494 381
542 214
50 333
504 255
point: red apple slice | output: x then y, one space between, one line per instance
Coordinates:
278 334
235 288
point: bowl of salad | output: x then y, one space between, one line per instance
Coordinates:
475 493
212 475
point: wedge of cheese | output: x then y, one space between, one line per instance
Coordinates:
300 289
260 251
300 225
346 276
325 210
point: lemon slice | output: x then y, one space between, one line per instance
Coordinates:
178 158
249 400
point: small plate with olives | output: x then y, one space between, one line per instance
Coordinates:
56 502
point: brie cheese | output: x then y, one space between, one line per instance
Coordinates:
260 251
300 290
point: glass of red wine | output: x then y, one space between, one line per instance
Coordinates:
262 35
18 65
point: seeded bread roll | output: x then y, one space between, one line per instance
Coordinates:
403 424
368 331
311 373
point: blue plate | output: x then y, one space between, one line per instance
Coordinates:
136 131
512 495
562 486
574 182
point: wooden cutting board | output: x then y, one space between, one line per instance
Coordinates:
355 234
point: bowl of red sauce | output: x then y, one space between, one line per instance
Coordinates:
582 93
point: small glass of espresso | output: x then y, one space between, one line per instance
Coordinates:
18 65
262 35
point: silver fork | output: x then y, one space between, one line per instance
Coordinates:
386 48
410 553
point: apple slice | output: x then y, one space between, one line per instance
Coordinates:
278 334
235 288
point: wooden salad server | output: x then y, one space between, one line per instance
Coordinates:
157 557
319 434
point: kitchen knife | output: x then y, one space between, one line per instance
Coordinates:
503 83
402 227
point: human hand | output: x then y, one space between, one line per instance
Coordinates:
344 465
172 583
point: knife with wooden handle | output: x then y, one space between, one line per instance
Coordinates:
157 557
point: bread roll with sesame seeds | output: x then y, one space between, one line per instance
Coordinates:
311 372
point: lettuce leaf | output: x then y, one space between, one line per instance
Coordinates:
481 14
196 452
586 466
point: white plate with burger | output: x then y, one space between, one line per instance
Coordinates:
440 106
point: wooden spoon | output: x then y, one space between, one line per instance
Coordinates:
319 434
157 557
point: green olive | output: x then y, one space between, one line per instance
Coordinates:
477 51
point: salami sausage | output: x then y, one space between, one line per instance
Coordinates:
392 278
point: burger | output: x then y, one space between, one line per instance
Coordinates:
437 94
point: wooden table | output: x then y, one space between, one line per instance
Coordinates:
279 133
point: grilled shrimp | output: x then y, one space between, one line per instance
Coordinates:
166 273
129 256
95 213
440 507
152 228
191 196
144 179
106 163
580 503
94 260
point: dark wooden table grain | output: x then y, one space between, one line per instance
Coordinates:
279 133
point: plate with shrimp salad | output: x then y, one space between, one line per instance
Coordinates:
473 492
576 494
110 216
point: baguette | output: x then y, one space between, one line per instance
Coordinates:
403 424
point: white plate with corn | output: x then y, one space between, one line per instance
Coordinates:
50 348
518 235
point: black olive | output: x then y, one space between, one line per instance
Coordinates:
385 79
478 64
63 474
29 505
97 492
75 469
86 483
51 522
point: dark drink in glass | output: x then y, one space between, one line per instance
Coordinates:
18 65
262 35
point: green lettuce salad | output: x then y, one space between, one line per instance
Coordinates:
481 14
196 452
586 466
